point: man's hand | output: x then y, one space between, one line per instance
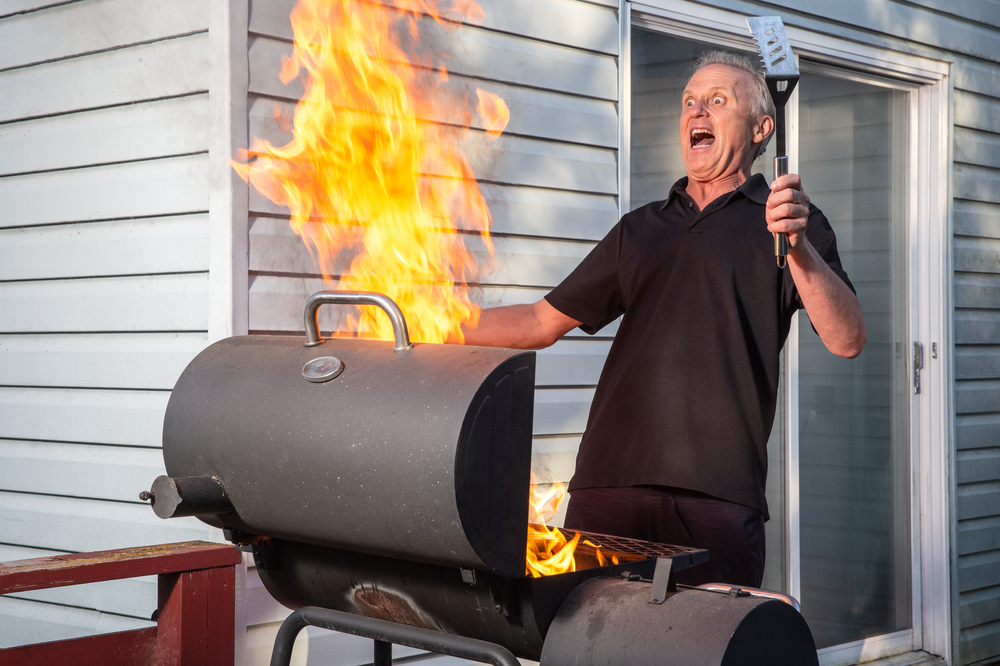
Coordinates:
832 307
787 208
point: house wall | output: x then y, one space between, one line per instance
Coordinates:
104 289
551 181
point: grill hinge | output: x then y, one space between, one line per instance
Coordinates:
663 580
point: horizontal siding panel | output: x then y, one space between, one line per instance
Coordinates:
11 7
976 291
553 459
977 255
977 396
978 148
977 431
977 111
78 470
977 327
980 362
566 22
977 183
140 73
62 523
980 644
514 160
903 20
274 247
133 418
981 11
978 466
974 218
978 536
562 411
56 32
177 244
517 160
537 212
976 76
978 571
98 360
277 303
24 622
168 186
141 131
534 113
114 304
977 500
572 362
475 53
979 607
525 211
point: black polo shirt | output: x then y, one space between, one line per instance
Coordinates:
687 395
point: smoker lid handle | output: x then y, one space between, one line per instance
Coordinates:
355 298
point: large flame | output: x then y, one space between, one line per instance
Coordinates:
549 552
374 175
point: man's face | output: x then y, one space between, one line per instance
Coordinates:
719 135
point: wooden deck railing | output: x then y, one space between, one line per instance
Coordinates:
195 612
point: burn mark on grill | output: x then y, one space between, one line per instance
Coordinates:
385 605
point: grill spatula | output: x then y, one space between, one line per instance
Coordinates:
781 74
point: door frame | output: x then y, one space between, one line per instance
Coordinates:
929 84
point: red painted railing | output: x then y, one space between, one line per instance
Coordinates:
195 617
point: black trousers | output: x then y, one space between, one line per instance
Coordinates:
732 533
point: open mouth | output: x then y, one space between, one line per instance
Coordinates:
701 138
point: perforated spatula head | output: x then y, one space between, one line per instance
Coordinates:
775 55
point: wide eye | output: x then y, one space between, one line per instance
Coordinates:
688 102
717 100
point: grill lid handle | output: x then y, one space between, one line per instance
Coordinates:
355 298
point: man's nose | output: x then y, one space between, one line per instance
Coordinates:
696 109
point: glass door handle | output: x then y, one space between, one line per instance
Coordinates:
918 364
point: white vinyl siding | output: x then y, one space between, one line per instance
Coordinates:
976 261
103 286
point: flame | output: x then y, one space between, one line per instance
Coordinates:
374 175
548 551
493 111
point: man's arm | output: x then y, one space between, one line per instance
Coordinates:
520 326
833 308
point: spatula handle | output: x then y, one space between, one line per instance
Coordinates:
780 239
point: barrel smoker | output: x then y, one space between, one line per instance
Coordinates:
382 488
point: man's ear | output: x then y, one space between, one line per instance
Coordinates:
763 129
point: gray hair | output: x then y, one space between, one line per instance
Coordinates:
761 103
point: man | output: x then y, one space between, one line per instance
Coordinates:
675 448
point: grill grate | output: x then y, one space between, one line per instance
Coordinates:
625 546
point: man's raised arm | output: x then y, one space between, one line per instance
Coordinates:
832 307
520 326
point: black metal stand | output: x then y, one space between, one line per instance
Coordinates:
385 634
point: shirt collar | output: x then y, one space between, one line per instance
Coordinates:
755 188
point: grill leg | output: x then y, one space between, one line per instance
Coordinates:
383 653
385 634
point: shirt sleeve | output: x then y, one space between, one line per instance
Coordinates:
591 294
820 234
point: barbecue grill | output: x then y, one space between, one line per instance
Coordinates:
390 482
